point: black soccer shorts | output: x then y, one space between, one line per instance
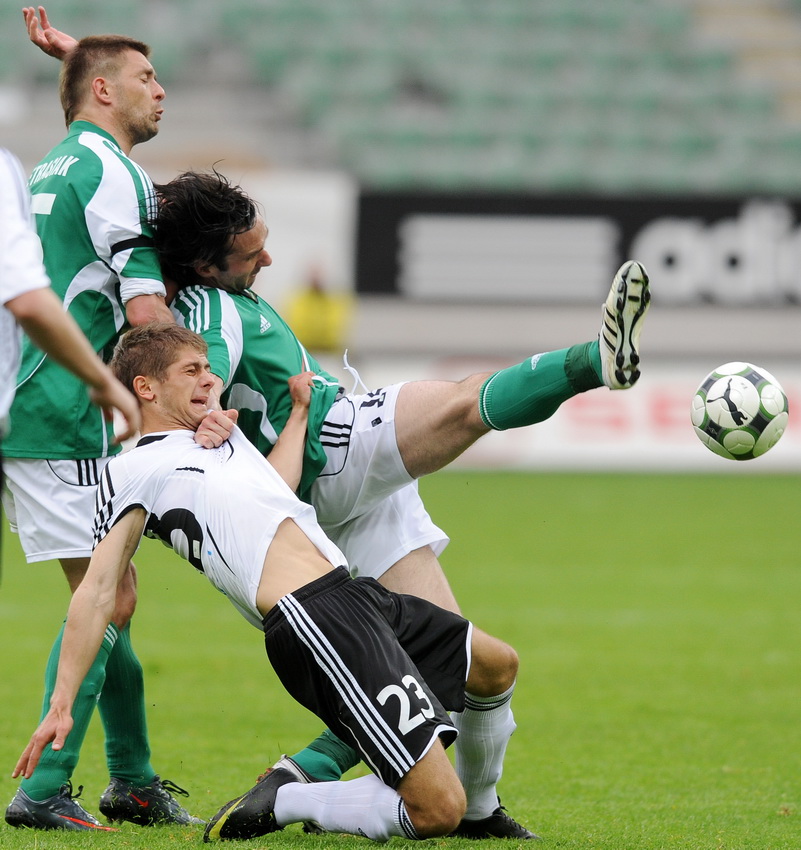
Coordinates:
380 669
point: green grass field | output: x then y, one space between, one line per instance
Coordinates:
657 620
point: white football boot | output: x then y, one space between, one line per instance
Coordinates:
623 313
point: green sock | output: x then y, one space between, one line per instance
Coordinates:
56 767
326 758
532 391
122 708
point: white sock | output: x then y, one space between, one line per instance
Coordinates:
485 726
363 806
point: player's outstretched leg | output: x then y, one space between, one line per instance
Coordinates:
435 421
623 313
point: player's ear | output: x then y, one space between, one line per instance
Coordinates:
101 90
143 388
205 270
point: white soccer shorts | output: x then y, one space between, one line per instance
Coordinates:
366 501
51 505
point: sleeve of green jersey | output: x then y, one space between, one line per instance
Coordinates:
200 310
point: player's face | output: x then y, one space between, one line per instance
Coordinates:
138 98
183 395
244 261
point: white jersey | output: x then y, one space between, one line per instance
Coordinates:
217 508
21 268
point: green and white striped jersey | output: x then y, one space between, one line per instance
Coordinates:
256 384
92 204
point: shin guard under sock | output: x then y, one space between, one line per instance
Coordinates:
533 390
485 726
122 708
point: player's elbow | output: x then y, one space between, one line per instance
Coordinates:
144 309
36 309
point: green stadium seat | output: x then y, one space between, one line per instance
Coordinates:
550 94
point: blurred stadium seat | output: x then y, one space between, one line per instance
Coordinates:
613 96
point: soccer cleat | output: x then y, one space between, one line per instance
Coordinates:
145 805
250 815
498 825
287 763
57 812
623 312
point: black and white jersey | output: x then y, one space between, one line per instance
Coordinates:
217 508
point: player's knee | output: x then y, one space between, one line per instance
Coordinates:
469 399
441 812
459 405
508 666
503 673
494 666
123 612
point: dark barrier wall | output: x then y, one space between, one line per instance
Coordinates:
561 249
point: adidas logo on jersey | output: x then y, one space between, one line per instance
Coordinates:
264 325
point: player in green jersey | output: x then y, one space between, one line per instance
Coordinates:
365 452
27 300
91 204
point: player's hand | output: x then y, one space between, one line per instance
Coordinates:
53 729
216 428
300 388
113 396
47 38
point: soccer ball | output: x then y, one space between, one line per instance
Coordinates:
739 411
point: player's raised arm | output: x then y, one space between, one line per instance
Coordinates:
89 614
286 456
47 38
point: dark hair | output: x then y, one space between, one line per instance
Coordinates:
151 349
198 217
93 56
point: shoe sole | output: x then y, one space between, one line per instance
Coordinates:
215 825
213 831
65 822
632 300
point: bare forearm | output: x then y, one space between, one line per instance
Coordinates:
92 605
82 638
286 456
86 624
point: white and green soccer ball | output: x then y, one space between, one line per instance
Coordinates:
739 411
